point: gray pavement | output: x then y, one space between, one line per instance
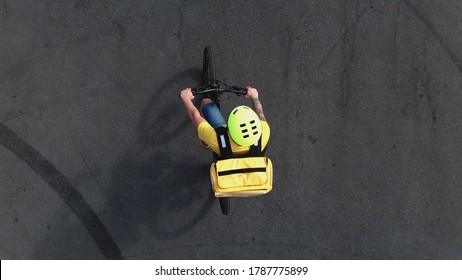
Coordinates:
98 159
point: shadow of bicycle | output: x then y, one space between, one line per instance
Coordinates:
155 187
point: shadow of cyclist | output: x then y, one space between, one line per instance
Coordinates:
156 189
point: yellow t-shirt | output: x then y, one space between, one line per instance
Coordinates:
208 135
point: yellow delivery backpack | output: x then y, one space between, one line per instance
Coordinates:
241 176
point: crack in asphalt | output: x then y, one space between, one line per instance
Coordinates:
423 18
347 26
395 47
348 46
426 83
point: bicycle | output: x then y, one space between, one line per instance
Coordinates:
212 88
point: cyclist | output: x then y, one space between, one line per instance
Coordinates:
245 126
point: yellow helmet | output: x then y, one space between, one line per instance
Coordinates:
244 126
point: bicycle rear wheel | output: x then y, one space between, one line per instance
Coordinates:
208 67
225 204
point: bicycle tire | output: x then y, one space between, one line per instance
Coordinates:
208 66
225 205
208 77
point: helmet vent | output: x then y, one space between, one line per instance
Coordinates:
252 121
242 124
255 132
244 131
254 127
235 111
245 136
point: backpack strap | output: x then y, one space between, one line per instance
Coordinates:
223 142
225 145
255 150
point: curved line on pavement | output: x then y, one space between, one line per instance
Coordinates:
63 187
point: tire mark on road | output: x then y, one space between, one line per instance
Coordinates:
62 186
120 32
395 45
350 25
347 26
422 17
349 45
329 53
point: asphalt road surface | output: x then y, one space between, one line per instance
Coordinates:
99 160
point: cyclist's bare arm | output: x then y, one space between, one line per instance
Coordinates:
187 97
257 107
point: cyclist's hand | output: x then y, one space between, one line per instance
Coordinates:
186 94
251 92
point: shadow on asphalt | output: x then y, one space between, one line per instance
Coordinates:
153 191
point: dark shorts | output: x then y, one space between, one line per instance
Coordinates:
213 115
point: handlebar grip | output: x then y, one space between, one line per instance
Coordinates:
240 90
193 90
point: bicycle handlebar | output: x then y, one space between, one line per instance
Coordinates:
219 87
196 91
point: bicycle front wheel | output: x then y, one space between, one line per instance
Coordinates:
208 67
